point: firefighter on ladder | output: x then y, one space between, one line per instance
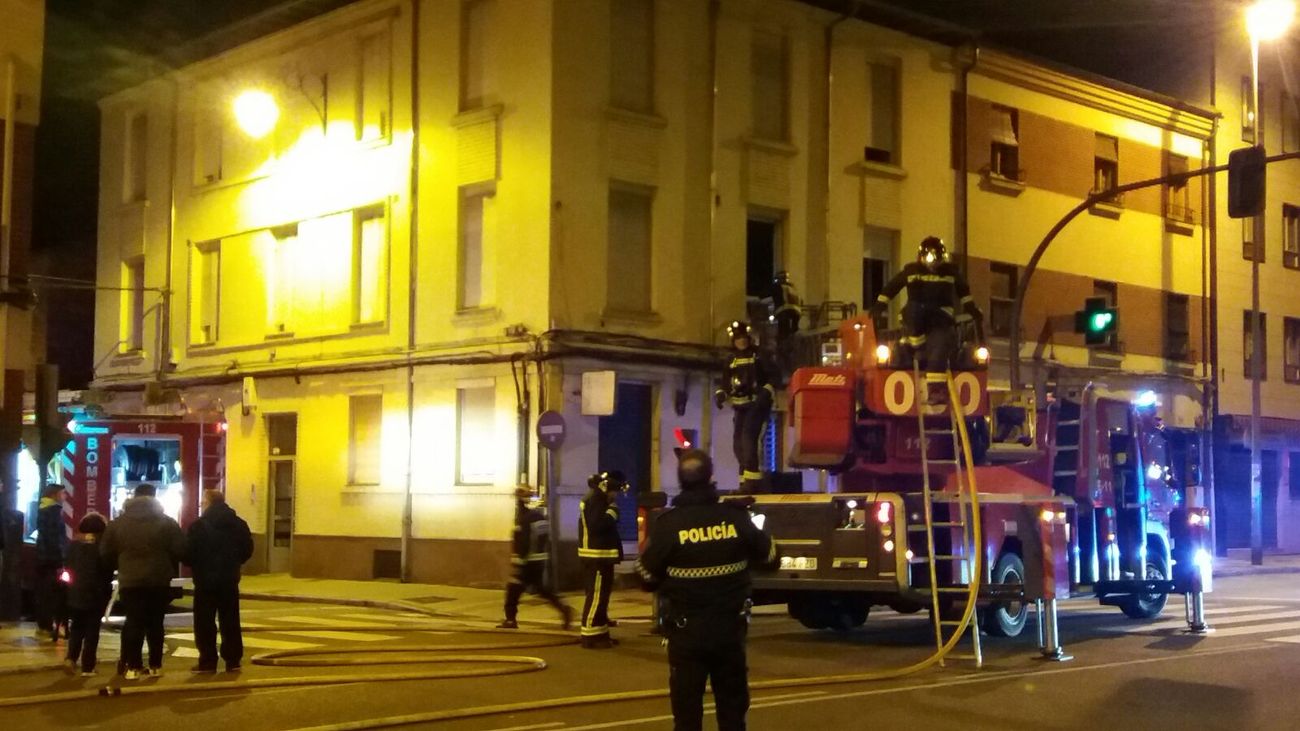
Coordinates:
786 312
938 302
750 393
599 549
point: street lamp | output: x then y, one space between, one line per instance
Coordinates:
1266 20
256 112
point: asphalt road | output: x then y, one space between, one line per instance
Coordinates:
1125 675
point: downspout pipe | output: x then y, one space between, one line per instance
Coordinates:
7 175
966 57
413 288
163 358
828 45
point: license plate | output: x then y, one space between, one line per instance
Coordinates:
799 563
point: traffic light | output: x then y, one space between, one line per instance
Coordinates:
1246 182
1096 321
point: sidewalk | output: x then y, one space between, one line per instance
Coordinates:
21 651
1237 563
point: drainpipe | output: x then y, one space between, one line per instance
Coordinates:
966 56
7 177
1210 313
828 45
164 310
715 8
413 280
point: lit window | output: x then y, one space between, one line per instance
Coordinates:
1004 147
137 144
631 49
629 254
205 296
477 450
475 55
281 276
770 98
365 428
373 96
882 143
475 248
370 265
1178 195
1249 235
132 304
1105 163
1291 236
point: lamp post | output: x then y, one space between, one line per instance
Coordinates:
1266 20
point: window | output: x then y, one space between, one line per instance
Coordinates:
131 330
476 448
883 144
1177 327
281 290
1105 164
1247 110
365 430
1003 280
631 55
1290 124
369 265
629 249
1004 152
880 258
770 99
1250 233
475 71
1291 336
205 295
374 94
1291 236
135 175
207 145
1110 291
763 249
1247 345
474 248
1178 200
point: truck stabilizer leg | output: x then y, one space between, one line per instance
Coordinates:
1195 605
1051 649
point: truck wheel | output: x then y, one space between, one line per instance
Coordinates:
806 613
844 613
1007 619
1147 606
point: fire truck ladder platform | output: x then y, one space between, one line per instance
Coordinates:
960 533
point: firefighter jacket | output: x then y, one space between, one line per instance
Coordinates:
51 535
942 289
531 539
747 379
598 537
785 299
700 553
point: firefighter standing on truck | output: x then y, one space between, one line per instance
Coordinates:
528 554
698 557
599 549
938 300
750 394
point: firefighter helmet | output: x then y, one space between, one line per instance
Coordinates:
607 481
932 251
738 329
781 278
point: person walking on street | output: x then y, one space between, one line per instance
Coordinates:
51 547
219 543
529 549
599 549
90 585
698 556
144 545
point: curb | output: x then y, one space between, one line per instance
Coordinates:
398 605
19 669
1256 571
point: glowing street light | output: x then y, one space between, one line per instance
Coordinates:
256 112
1268 20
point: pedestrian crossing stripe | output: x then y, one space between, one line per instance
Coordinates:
331 621
261 643
1257 629
1222 615
387 620
339 635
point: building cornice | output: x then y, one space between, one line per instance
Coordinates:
1073 87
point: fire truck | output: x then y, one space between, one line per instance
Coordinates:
1075 494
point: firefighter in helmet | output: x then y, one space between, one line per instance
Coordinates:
750 393
698 557
938 301
785 313
599 549
528 554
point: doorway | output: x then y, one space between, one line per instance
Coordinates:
625 445
281 458
763 250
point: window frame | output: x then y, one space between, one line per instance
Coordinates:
998 302
131 340
648 194
1103 167
205 252
1250 234
1247 352
135 158
873 152
621 53
1178 196
475 54
1291 346
359 218
1174 338
1290 236
354 462
384 39
1006 149
757 87
489 386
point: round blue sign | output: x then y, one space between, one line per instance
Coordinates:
550 429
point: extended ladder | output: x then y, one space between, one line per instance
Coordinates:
960 538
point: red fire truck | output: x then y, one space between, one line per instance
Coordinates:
1075 495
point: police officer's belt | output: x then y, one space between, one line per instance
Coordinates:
707 572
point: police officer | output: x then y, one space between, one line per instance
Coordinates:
938 299
599 549
698 557
528 555
750 393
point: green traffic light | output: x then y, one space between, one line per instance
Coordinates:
1100 321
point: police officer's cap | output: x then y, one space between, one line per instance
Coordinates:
694 469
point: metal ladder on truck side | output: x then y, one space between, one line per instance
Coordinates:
962 555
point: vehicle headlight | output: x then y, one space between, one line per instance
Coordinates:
882 354
982 355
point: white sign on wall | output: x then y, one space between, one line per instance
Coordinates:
598 393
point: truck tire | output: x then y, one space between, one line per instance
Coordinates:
1147 606
1007 619
844 613
805 612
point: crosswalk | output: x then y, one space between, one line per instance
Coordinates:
267 635
1241 620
